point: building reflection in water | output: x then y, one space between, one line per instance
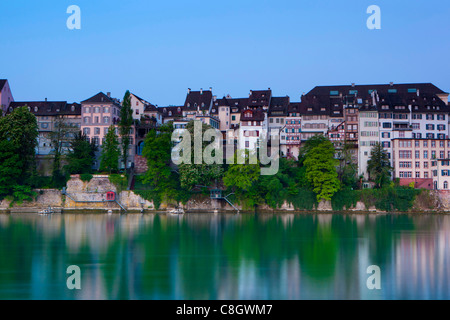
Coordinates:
200 256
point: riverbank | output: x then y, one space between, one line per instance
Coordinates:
100 195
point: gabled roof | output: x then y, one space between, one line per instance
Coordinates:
171 112
279 106
195 99
48 108
363 90
148 106
259 98
234 104
2 83
294 107
101 98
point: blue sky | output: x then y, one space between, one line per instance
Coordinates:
158 49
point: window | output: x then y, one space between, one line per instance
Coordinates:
425 154
417 154
425 144
405 154
406 174
387 125
416 126
233 118
404 164
433 144
105 110
86 131
417 175
96 130
441 155
425 164
106 120
97 110
386 135
445 185
417 165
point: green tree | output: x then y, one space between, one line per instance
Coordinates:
125 124
157 151
348 169
81 155
379 166
109 159
321 170
60 138
240 177
20 128
192 175
10 168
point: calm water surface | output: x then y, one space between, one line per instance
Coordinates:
199 256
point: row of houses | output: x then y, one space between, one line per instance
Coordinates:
411 121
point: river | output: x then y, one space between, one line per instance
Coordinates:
202 256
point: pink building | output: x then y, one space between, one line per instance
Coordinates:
98 113
5 96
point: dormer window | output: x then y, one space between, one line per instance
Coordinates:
170 113
179 109
72 108
188 105
164 110
35 109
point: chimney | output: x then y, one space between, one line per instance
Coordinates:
418 92
251 92
189 90
391 84
210 89
353 85
201 90
45 99
108 94
215 98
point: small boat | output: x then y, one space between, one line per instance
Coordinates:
49 210
177 211
110 212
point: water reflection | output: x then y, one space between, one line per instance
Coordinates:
200 256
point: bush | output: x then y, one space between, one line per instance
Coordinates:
344 199
86 177
121 182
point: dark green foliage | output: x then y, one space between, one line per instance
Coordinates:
81 155
344 199
125 123
18 134
379 167
120 181
110 152
192 175
86 177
